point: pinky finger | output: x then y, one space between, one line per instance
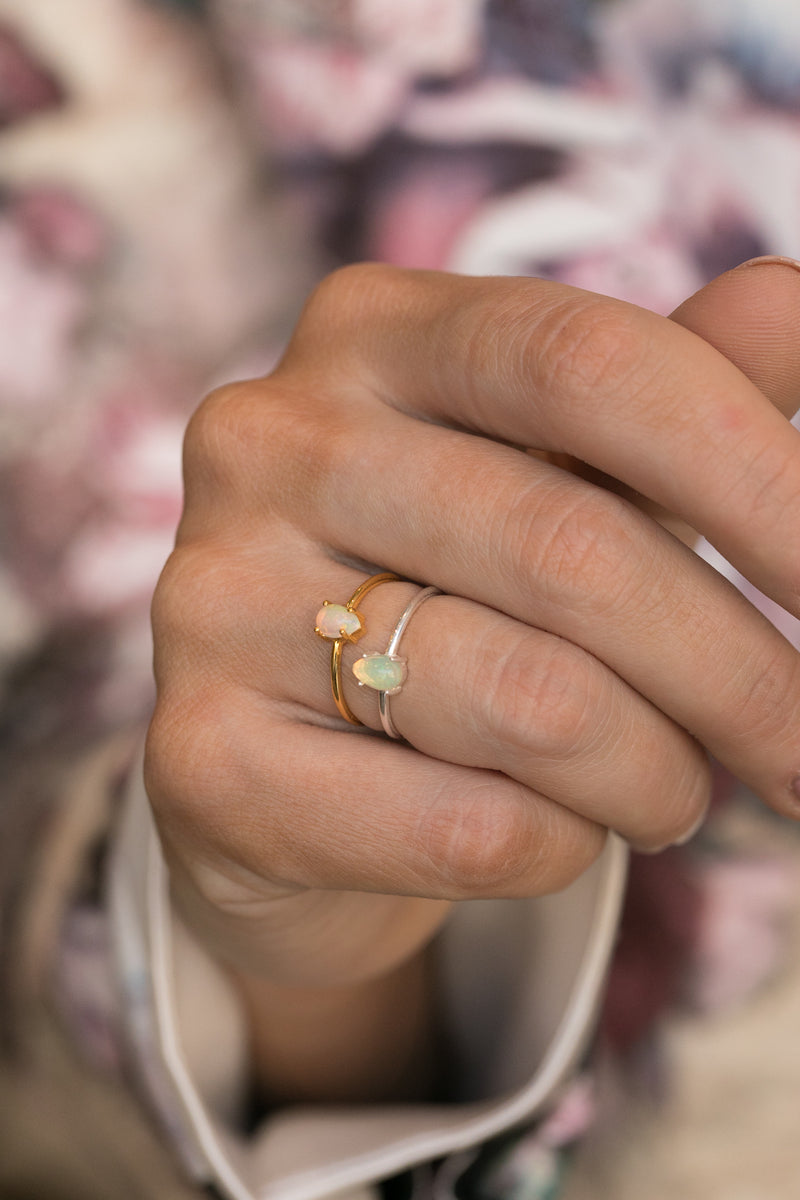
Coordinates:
309 807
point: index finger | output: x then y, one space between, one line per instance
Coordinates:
533 362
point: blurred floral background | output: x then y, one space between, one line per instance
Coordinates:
173 178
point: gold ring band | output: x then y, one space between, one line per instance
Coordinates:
339 642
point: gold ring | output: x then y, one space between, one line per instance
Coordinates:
343 623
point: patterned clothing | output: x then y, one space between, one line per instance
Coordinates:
173 178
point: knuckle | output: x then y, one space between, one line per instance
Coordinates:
272 441
586 560
225 448
340 302
219 429
193 596
189 772
765 695
200 777
499 840
479 842
537 697
168 616
162 755
202 616
172 777
589 346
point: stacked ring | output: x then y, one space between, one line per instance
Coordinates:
391 656
343 623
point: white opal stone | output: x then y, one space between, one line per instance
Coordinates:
335 621
384 672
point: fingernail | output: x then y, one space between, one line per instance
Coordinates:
679 841
782 260
698 825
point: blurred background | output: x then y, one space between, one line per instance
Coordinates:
174 176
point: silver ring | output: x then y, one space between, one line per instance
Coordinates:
391 652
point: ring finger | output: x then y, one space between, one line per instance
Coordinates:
484 690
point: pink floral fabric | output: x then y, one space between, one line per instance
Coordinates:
635 148
173 178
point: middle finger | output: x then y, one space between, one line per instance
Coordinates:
560 554
484 690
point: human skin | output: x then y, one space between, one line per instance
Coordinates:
576 673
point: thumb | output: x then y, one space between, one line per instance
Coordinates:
752 315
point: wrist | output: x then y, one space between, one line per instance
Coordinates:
373 1041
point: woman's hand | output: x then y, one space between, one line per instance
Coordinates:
581 660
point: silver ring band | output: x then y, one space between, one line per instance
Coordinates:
391 649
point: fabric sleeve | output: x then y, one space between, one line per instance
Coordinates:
521 984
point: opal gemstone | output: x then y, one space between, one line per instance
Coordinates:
335 621
384 672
